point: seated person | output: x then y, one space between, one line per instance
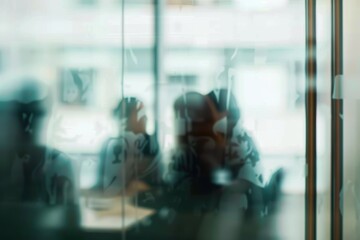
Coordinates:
131 157
214 169
194 120
213 129
30 170
198 157
33 176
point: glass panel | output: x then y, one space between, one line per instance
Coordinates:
60 71
80 154
256 53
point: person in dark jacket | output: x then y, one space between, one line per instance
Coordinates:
38 187
32 171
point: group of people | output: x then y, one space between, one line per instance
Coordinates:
213 173
214 167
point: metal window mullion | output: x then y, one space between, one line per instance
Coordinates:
158 57
311 96
336 121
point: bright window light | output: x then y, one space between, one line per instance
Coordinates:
261 5
262 89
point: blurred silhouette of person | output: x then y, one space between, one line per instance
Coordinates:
30 170
198 157
197 146
38 189
212 131
216 183
242 158
133 156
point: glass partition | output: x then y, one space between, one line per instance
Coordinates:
174 119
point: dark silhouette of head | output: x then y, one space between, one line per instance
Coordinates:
28 106
195 116
227 108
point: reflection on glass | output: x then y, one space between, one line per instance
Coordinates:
228 158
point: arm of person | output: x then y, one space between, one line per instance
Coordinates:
61 182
